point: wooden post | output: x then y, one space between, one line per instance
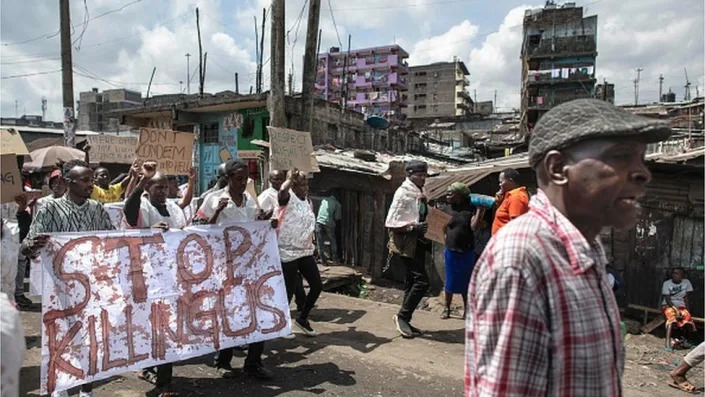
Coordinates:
200 56
66 75
277 117
310 61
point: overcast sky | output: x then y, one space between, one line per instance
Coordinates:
124 39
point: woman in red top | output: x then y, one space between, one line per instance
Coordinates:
512 199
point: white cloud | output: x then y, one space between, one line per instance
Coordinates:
455 42
495 65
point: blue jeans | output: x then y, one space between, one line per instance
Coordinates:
323 233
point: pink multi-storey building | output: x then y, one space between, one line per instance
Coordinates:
376 80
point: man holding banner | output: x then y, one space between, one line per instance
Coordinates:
148 207
74 212
234 204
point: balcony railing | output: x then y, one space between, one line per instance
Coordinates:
563 45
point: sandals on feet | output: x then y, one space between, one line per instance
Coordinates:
683 386
446 314
147 376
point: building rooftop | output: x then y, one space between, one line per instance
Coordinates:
369 49
470 174
460 63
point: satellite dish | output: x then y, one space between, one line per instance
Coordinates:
377 122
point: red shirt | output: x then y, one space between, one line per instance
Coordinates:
515 203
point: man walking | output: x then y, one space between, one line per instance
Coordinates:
406 222
512 199
542 319
329 213
74 212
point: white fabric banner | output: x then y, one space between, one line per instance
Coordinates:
119 301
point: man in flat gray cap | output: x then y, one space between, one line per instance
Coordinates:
542 319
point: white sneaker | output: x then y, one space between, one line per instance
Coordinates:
62 393
290 336
85 394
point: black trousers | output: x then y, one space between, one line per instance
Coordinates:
416 280
164 373
308 269
300 294
253 359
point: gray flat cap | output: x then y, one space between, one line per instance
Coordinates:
582 119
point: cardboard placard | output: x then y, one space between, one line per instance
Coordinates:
172 150
113 149
292 149
10 178
437 221
125 300
11 143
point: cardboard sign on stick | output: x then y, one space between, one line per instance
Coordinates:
437 220
11 178
113 149
11 143
292 149
172 150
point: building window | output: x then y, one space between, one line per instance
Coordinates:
420 73
436 74
210 133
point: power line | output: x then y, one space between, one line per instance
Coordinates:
400 6
31 61
29 74
42 56
334 24
54 34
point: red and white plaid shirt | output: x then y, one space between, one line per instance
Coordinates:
542 319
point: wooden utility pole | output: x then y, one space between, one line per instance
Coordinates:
149 87
237 84
277 117
256 56
261 52
310 58
345 77
200 56
67 74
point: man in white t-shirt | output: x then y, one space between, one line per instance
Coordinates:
268 199
234 204
675 304
148 207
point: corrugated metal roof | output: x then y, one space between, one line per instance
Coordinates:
471 174
346 160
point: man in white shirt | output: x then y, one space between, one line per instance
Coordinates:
148 207
675 305
234 204
268 199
